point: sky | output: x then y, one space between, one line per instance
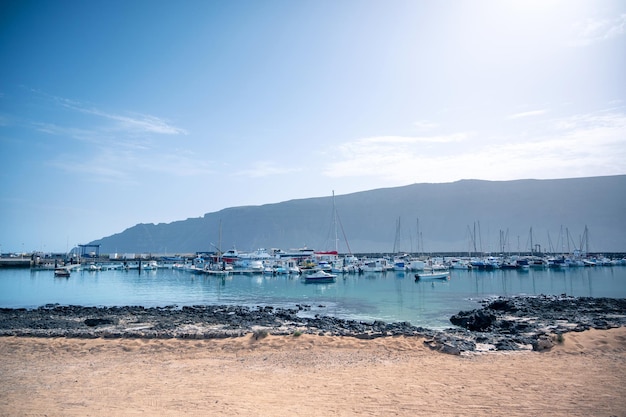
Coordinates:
119 112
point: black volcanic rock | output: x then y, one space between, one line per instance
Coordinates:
97 322
512 323
477 320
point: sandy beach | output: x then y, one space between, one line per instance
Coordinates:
309 375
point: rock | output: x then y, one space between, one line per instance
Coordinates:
97 322
543 343
502 304
507 323
432 344
476 320
506 344
450 349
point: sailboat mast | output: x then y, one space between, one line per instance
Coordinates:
396 242
335 224
219 241
418 236
474 238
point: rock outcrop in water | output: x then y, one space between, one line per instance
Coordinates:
512 323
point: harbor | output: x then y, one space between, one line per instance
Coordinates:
304 260
391 296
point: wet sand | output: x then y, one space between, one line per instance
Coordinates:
309 376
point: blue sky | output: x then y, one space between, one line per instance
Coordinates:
114 113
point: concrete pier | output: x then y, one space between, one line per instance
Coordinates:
14 262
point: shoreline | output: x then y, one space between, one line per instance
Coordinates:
501 324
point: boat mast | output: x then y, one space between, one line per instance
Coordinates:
219 242
418 237
335 224
480 239
396 242
586 237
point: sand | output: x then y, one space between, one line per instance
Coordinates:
309 376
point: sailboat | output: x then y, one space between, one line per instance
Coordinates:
399 261
348 263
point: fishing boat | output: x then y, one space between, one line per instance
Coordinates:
319 276
434 275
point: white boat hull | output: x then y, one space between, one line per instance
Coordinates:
432 276
319 276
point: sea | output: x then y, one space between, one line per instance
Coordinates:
388 297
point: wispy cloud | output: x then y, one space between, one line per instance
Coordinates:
106 166
265 169
122 146
398 140
580 145
100 137
92 135
527 114
177 163
127 166
386 156
611 119
598 30
131 122
425 125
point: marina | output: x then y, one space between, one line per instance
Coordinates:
390 296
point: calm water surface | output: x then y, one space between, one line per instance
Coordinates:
388 297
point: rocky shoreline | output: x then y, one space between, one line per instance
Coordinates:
503 323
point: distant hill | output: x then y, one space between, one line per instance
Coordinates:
450 217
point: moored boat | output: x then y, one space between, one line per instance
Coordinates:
399 265
230 256
94 267
373 265
434 275
149 266
319 276
460 264
62 272
417 265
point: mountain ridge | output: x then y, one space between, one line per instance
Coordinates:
557 210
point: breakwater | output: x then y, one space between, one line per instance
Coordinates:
16 262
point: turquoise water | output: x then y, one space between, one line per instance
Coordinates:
389 297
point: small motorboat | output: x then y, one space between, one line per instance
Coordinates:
319 276
62 273
434 275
